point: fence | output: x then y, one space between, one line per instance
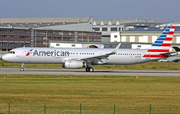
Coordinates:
49 108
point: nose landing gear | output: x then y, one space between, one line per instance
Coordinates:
22 67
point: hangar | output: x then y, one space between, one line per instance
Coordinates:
114 27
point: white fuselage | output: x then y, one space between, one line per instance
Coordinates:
60 55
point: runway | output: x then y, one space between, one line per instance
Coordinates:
102 72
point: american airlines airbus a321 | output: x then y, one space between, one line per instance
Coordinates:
80 58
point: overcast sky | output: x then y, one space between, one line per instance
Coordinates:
169 10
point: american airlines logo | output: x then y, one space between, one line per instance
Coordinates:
27 54
50 53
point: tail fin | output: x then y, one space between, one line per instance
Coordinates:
160 48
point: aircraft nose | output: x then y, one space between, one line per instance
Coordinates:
4 57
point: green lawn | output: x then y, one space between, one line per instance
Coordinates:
95 93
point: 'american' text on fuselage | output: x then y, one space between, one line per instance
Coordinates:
51 53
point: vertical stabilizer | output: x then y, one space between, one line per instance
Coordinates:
161 45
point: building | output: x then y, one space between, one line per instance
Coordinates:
37 32
143 35
59 44
139 31
113 27
42 32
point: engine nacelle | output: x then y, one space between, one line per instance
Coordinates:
74 64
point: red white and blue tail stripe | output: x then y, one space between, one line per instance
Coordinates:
160 48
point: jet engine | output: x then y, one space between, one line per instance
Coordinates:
74 64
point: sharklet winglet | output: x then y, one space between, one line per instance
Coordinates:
115 50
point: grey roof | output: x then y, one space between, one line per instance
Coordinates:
45 20
176 23
126 21
41 22
30 25
152 29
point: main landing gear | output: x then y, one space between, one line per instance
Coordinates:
89 69
22 67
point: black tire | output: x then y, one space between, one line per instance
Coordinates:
21 69
87 69
91 69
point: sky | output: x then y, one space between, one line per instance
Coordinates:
168 10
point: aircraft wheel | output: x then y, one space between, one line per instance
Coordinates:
91 69
87 69
21 69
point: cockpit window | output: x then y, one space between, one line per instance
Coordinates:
12 52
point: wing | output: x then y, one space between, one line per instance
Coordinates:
97 58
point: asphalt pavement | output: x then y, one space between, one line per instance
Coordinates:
106 72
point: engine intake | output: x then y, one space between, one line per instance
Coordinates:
74 64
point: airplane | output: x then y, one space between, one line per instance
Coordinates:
74 58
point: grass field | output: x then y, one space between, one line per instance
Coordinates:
95 94
143 66
90 90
